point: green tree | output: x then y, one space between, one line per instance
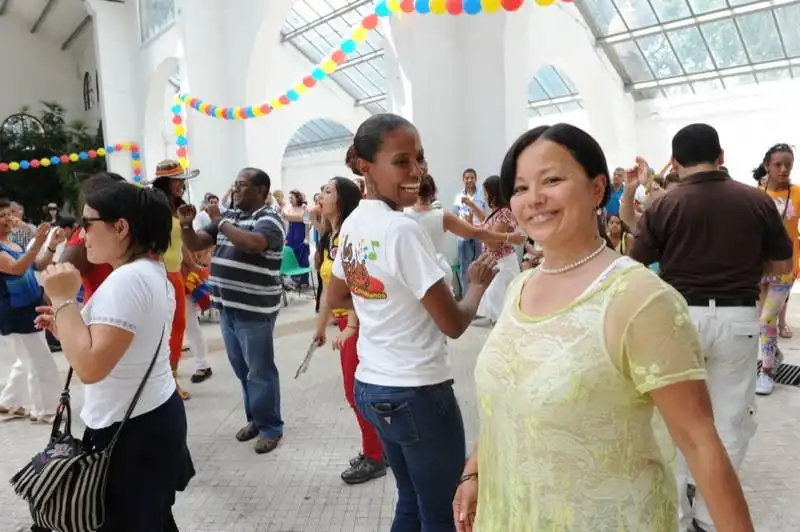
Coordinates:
27 136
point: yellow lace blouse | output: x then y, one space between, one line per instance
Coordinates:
569 439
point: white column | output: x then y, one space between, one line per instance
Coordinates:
116 48
215 145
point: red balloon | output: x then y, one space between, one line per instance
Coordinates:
193 102
3 167
118 147
35 163
265 108
177 120
407 6
370 22
309 82
338 57
134 148
512 5
92 154
284 100
181 153
455 7
137 171
64 159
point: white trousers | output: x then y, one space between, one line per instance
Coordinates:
729 337
492 301
194 335
33 382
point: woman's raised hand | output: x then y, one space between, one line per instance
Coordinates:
483 270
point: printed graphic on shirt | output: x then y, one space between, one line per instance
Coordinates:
354 263
784 208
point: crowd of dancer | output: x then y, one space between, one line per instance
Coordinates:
616 389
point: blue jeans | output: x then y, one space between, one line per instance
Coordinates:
248 341
468 251
423 438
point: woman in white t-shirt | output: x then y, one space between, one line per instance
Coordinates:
388 271
110 345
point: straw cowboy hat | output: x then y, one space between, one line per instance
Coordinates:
172 170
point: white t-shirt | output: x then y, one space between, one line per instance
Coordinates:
432 222
389 263
135 297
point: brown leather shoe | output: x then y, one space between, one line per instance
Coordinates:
267 444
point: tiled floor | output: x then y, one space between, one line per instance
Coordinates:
297 488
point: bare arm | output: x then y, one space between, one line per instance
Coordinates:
457 226
45 260
18 267
627 210
195 240
189 260
450 316
92 351
686 409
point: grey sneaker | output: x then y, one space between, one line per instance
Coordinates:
764 384
267 444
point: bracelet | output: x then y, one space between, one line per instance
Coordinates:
61 307
465 478
51 250
222 222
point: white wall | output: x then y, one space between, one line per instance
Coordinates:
578 118
308 173
36 70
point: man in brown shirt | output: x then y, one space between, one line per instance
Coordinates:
713 238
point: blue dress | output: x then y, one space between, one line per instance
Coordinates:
296 239
19 297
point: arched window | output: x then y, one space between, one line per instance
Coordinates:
154 17
18 127
88 92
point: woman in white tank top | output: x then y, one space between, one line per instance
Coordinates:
437 222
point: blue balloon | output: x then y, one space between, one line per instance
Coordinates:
137 178
423 7
109 149
292 95
181 141
382 10
183 97
176 109
229 114
136 156
212 110
24 165
83 156
348 46
55 160
472 7
249 111
318 74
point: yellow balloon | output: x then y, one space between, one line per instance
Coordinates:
180 131
257 110
101 152
393 5
491 6
73 157
204 108
300 88
45 162
329 66
218 112
276 104
13 166
438 7
136 164
360 34
545 2
126 146
184 163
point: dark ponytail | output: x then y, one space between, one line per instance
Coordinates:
761 170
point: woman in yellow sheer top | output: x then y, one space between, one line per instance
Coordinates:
591 354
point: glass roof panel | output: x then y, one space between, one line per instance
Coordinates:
317 136
676 40
550 83
316 40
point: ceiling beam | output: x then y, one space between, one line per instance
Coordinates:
77 33
3 6
322 20
43 15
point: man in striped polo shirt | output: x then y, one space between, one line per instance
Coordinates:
245 286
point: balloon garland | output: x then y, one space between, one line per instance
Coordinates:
178 127
55 160
329 65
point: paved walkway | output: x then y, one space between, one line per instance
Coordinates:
297 487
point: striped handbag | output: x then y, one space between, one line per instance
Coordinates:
65 484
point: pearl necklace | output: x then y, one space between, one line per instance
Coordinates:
577 264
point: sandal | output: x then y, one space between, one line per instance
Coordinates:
785 332
7 414
46 419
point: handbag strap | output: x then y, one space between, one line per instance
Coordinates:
139 391
63 412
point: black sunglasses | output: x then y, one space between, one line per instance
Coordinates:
86 222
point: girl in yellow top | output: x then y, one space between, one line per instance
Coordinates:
775 171
588 348
170 179
340 197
